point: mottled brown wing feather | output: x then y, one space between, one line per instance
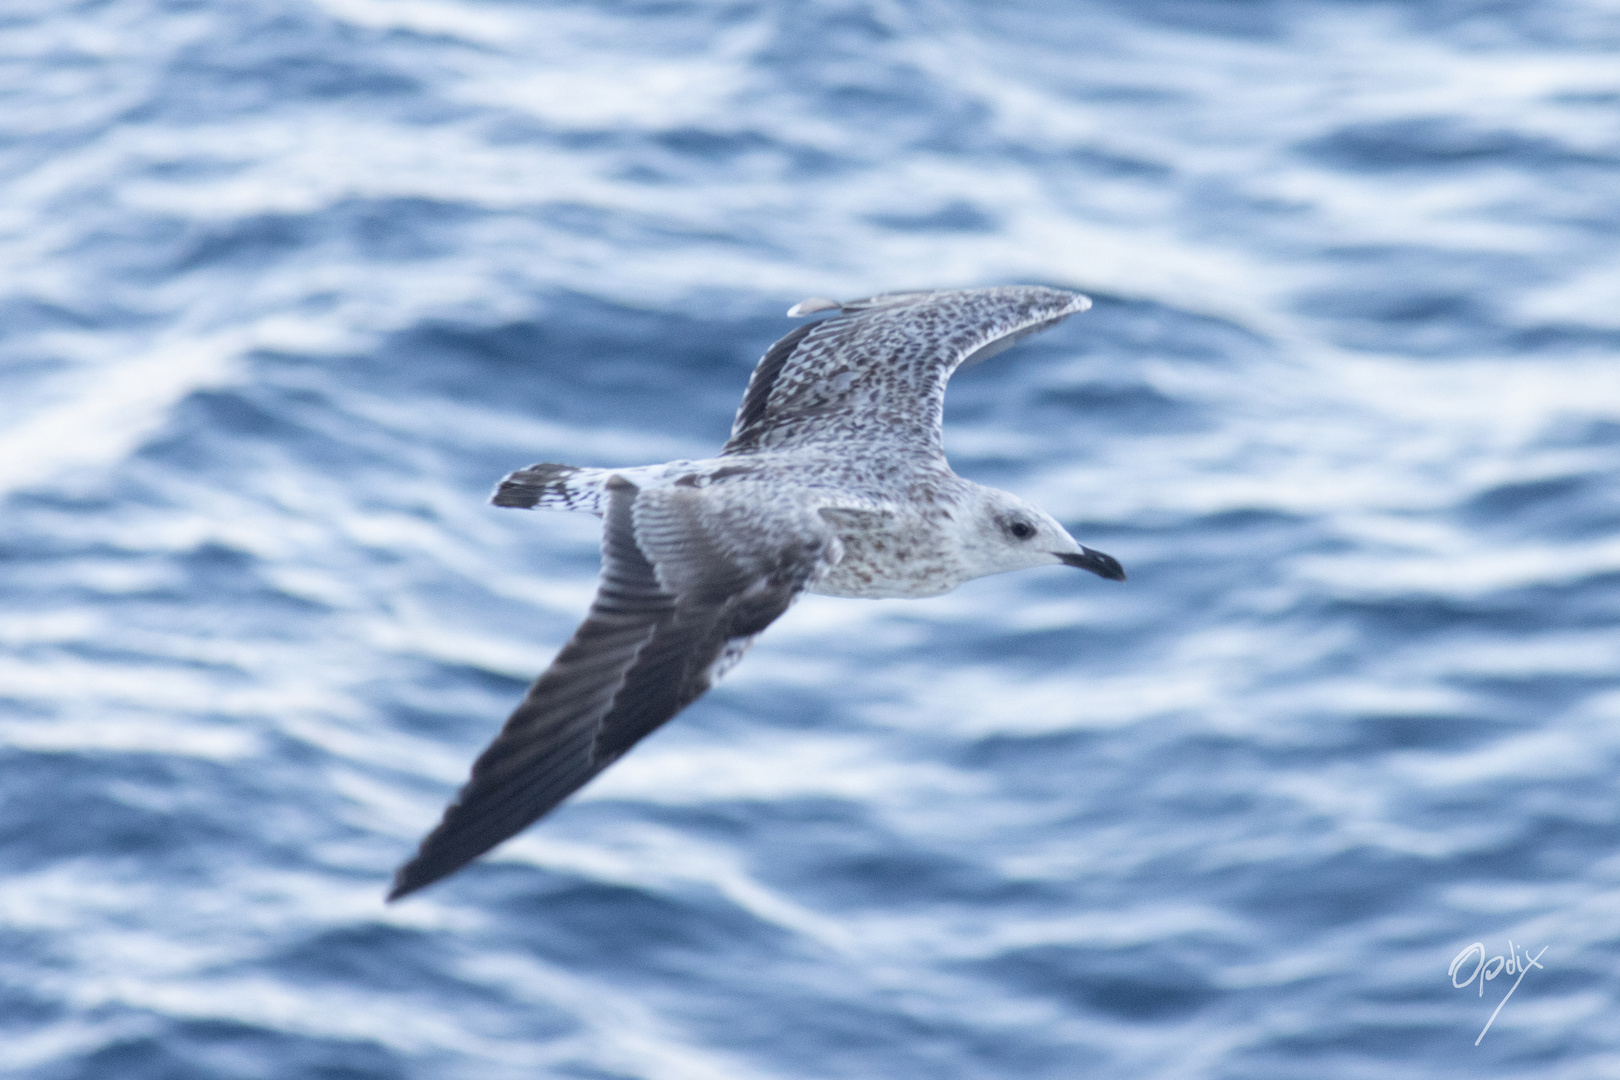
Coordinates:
876 371
642 654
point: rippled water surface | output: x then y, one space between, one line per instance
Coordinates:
286 286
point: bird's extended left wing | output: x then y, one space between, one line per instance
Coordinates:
675 607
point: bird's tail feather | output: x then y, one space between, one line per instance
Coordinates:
550 486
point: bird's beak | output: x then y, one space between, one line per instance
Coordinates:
1105 566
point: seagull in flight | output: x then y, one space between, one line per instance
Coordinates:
834 481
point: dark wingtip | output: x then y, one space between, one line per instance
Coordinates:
516 495
1104 566
419 873
403 886
523 490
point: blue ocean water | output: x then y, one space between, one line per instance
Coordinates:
285 286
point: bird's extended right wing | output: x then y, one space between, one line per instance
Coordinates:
877 369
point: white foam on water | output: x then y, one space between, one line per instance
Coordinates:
1586 298
107 411
132 733
949 936
773 767
1567 751
73 1038
1479 570
646 856
485 23
618 1030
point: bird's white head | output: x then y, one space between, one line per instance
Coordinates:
1003 532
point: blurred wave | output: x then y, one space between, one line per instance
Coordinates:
285 286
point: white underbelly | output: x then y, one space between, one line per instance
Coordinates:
877 569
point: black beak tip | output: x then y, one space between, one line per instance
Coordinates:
1104 566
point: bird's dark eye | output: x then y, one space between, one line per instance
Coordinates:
1021 530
